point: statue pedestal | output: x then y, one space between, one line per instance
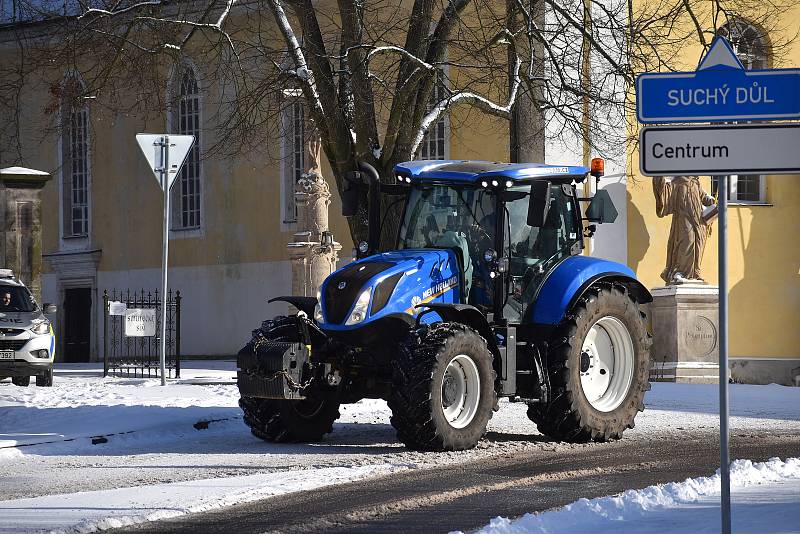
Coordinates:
685 321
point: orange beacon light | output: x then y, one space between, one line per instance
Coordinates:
598 167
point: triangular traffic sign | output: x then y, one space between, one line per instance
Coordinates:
179 146
720 54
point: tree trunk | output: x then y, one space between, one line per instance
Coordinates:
527 124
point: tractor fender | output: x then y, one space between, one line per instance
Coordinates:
572 278
464 314
304 304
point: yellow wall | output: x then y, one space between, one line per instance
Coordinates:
763 257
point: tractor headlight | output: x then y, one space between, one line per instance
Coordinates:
318 309
363 247
359 312
41 328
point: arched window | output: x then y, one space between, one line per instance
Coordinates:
186 192
75 164
750 44
753 50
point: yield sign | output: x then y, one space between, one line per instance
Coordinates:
163 149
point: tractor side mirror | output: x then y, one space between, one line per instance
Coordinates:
601 209
49 308
351 197
539 203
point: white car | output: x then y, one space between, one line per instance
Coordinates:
27 340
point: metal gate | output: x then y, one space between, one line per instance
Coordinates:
138 356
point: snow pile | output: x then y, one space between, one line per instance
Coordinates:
79 512
86 406
689 506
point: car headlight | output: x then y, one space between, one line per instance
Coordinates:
318 309
41 328
359 312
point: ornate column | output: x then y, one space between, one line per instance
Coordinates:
313 252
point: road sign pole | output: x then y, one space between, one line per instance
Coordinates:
724 433
164 258
156 149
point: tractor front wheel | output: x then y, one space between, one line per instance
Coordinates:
599 366
443 391
285 421
289 421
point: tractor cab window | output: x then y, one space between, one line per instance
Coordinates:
459 218
533 251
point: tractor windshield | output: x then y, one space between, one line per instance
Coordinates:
460 218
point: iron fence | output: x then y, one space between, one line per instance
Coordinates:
138 356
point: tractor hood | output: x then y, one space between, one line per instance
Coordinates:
387 284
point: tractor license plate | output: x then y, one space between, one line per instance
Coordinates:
6 354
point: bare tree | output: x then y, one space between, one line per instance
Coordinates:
366 70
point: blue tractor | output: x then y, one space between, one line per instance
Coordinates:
486 294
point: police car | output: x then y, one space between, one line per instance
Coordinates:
27 341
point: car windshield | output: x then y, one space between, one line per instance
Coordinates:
16 299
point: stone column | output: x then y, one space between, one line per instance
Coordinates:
685 321
313 252
21 224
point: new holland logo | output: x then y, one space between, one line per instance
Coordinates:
342 285
415 301
439 288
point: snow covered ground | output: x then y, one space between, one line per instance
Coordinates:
765 497
147 451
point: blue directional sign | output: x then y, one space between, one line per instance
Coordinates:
719 90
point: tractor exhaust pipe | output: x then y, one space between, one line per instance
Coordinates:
374 206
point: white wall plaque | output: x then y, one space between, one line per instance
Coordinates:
140 322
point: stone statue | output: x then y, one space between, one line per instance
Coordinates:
684 199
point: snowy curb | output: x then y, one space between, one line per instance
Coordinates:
586 515
93 511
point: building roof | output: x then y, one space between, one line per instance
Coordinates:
464 171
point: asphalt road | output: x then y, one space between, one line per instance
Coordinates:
466 496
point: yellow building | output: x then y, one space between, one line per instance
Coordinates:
232 218
763 257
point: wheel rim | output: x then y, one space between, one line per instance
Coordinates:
461 391
606 364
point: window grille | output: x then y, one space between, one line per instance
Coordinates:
75 162
294 156
186 192
435 143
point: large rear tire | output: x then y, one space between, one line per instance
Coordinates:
443 392
285 421
599 363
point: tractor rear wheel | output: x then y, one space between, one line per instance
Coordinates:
443 391
599 365
285 421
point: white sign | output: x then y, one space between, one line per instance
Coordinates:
140 322
117 308
720 150
152 146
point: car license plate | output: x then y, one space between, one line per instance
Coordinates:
6 354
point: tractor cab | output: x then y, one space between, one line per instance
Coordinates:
509 224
